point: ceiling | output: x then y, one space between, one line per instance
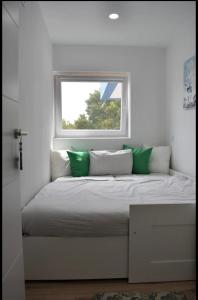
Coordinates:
141 23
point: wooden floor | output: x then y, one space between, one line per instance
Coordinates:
86 289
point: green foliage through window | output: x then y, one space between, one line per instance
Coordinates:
100 114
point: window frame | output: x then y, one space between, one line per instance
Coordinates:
123 132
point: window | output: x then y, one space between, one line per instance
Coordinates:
91 105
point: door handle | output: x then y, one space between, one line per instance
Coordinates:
18 133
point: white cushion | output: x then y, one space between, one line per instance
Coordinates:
160 159
60 165
110 162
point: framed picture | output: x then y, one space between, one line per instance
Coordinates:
189 83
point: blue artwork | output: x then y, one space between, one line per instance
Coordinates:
189 83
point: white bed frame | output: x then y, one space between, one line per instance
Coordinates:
160 247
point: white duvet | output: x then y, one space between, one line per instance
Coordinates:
99 206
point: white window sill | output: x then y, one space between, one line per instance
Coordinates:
93 138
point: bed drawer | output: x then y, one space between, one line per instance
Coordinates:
162 242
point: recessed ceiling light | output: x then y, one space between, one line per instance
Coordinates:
113 16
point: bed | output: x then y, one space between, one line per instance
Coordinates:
140 227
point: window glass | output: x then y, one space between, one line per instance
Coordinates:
91 105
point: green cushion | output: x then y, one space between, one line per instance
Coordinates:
141 159
79 163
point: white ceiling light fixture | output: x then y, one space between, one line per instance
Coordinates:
113 16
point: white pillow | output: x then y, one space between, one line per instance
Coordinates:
110 162
160 159
60 165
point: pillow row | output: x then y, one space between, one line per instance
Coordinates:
142 161
122 162
100 162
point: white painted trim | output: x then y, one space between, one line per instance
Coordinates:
11 267
9 13
125 130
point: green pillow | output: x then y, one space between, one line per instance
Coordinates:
79 163
141 159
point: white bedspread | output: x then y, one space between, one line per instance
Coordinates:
99 206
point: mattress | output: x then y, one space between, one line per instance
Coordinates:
99 206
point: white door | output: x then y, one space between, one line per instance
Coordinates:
13 273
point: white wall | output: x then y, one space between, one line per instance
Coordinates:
180 123
147 68
36 96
